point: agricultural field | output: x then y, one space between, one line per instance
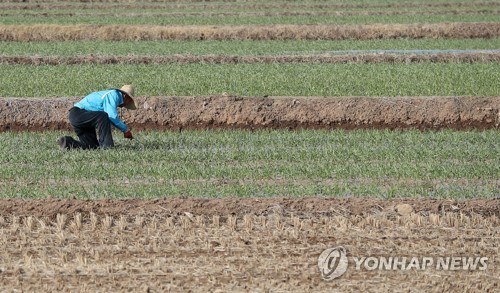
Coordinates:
267 133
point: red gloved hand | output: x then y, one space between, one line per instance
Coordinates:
128 134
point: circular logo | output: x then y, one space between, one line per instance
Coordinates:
332 263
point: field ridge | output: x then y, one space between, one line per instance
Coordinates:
236 112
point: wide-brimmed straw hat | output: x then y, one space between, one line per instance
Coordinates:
129 91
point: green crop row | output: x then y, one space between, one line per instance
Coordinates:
248 20
292 47
263 163
290 79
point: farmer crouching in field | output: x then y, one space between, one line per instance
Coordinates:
99 110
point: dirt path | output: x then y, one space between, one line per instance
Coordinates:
232 112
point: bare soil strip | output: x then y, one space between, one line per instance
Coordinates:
304 207
225 59
237 244
250 32
255 14
232 112
248 6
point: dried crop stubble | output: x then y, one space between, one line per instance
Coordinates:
252 32
247 250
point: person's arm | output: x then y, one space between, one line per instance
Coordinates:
110 105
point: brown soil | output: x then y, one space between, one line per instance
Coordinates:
224 59
222 112
258 245
250 32
303 207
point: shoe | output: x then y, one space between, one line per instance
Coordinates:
61 141
68 143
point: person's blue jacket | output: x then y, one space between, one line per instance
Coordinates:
107 101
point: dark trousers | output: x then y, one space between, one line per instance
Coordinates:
85 124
